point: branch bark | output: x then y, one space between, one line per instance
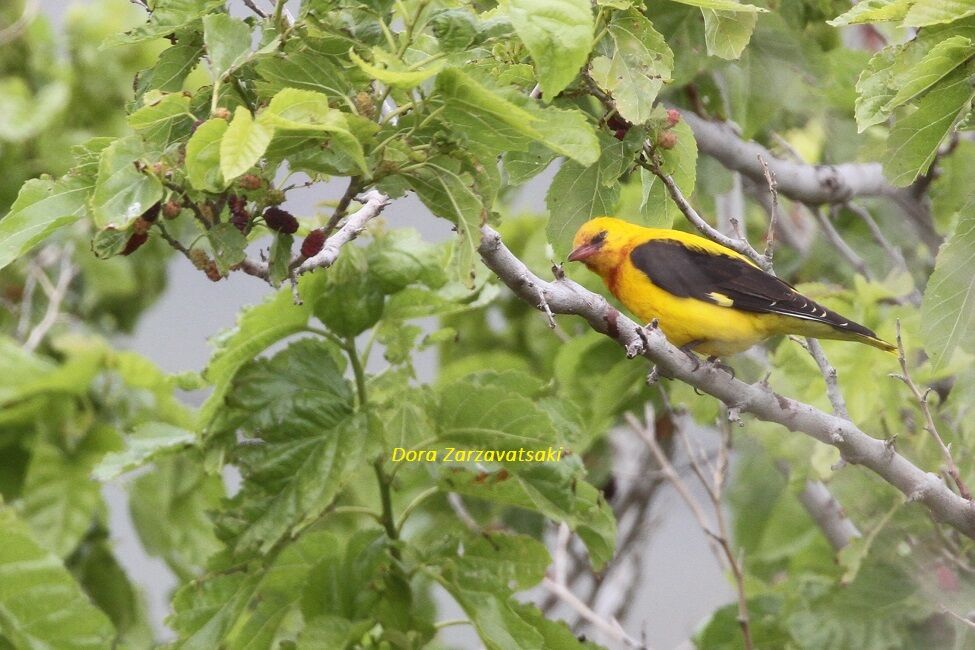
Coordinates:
855 446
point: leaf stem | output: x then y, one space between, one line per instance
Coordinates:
414 504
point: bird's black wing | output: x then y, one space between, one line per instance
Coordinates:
689 272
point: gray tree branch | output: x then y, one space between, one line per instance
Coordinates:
855 446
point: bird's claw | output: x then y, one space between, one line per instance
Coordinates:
715 363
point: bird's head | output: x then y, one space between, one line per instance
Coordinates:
599 243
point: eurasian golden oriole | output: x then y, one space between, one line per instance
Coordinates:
704 296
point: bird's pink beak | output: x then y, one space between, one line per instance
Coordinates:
583 252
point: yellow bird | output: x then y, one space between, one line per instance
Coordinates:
705 297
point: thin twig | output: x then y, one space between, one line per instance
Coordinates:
55 297
257 10
922 398
773 190
610 628
894 253
829 376
834 238
963 619
738 245
718 539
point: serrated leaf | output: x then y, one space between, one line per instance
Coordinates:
257 328
634 64
228 43
933 12
122 192
488 117
42 207
558 35
579 193
147 442
873 11
162 118
449 193
173 66
41 604
948 308
491 417
293 109
657 208
300 407
170 508
914 140
552 489
940 61
394 73
203 156
167 17
726 33
722 5
243 143
61 501
304 69
227 244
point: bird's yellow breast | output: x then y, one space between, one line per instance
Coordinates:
715 330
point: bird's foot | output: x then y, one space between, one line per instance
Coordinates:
715 363
688 350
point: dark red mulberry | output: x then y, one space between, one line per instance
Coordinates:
618 126
152 213
135 241
280 220
313 243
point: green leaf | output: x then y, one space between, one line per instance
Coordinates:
228 244
936 65
61 501
873 11
147 442
450 193
167 17
300 407
948 308
914 140
486 116
40 603
173 66
163 118
491 417
933 12
552 489
504 559
558 35
722 5
170 509
279 592
42 207
257 328
293 109
658 209
726 33
633 65
203 156
122 192
228 43
305 69
243 143
350 308
579 193
394 73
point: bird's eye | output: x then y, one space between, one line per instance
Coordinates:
598 238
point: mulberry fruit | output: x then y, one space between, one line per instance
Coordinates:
280 220
135 241
313 243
